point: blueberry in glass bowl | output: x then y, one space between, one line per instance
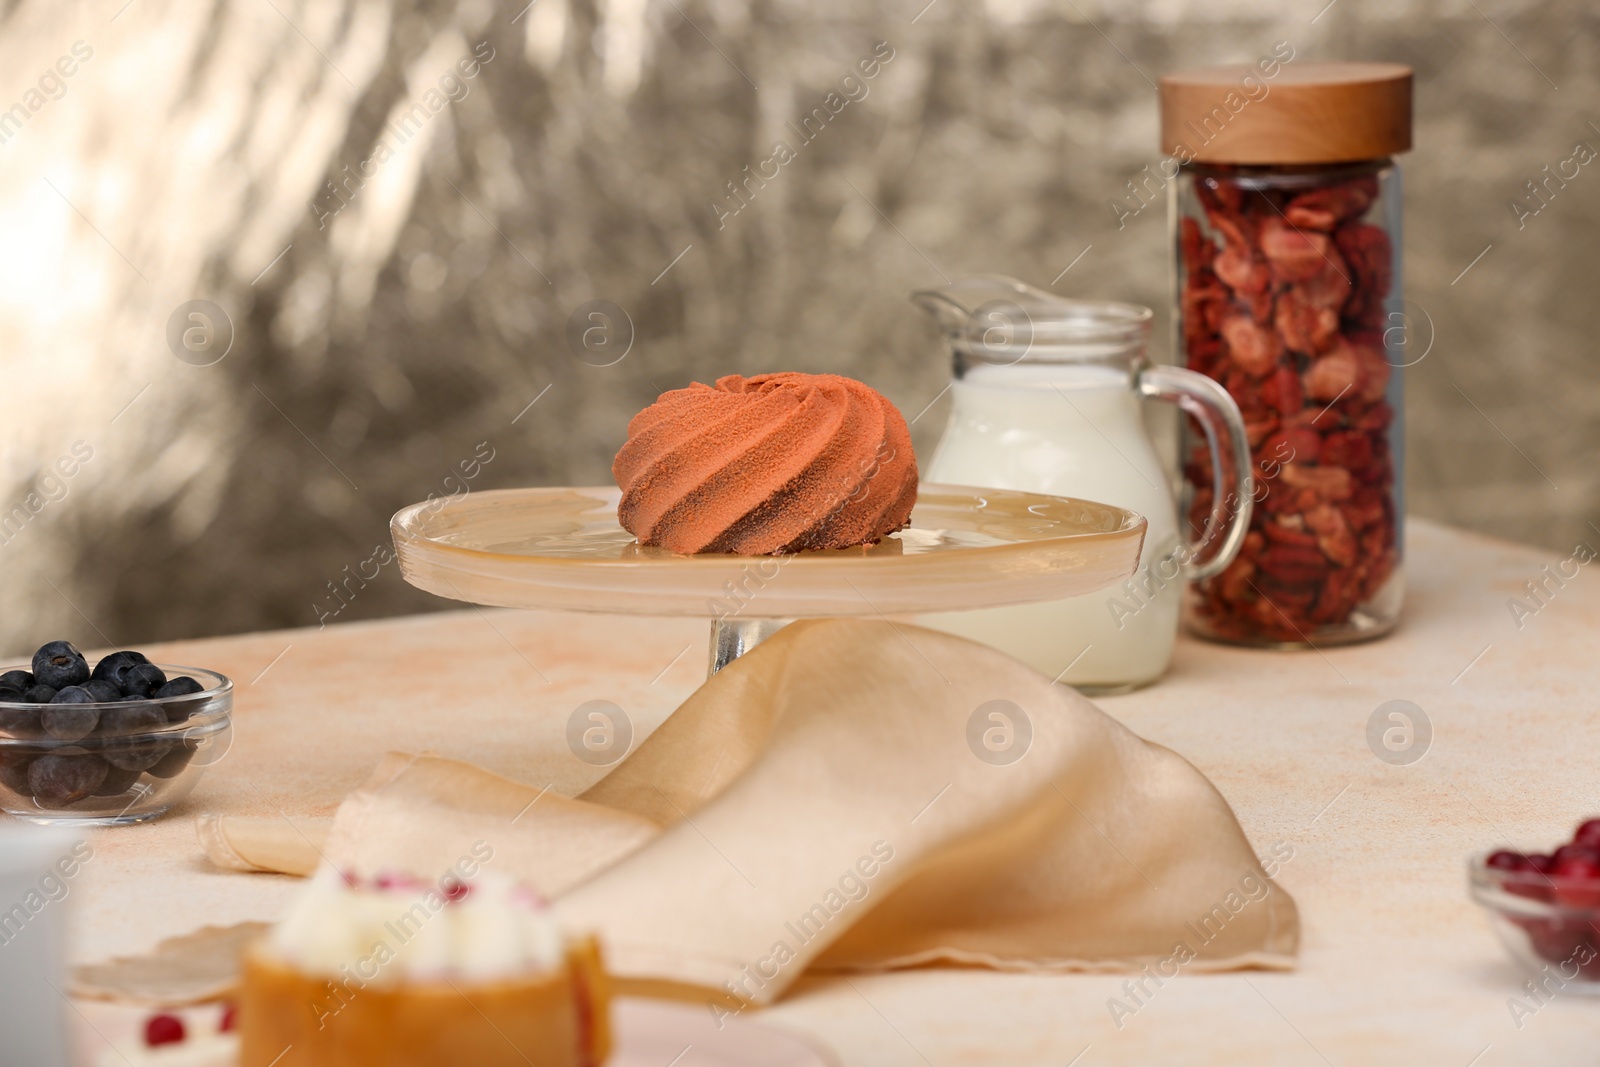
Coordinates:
1545 907
118 745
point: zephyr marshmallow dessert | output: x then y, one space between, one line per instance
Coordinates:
412 974
776 463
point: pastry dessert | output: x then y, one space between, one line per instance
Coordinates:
409 974
774 463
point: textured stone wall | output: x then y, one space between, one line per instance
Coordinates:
386 333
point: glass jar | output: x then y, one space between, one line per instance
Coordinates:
1287 269
1046 398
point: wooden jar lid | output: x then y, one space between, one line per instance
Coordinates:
1301 113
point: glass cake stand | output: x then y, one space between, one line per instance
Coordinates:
562 549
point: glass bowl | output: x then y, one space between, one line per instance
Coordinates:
1546 923
130 767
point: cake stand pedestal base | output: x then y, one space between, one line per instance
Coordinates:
732 638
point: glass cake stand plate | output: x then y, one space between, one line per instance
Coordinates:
561 549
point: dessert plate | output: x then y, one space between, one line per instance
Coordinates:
655 1033
562 549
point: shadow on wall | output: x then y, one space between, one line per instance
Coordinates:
273 272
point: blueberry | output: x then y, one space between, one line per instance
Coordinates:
181 686
111 667
17 680
141 680
57 781
175 761
14 771
39 694
19 722
59 664
103 691
66 718
118 781
139 757
135 720
130 718
177 709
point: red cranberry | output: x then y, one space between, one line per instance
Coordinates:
1528 884
1567 852
1588 834
1577 881
1555 940
163 1030
229 1021
1522 875
1542 863
456 891
1584 867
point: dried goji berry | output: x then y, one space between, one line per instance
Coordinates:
1293 563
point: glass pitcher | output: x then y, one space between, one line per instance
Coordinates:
1046 399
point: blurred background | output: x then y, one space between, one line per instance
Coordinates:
396 216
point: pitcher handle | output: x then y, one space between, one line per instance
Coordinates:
1233 487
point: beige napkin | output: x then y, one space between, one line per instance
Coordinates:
844 797
253 843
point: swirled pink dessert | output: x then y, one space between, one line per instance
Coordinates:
769 464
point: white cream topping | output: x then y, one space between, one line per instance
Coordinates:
412 931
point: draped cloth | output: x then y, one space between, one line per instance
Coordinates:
850 795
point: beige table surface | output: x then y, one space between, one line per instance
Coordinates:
1398 966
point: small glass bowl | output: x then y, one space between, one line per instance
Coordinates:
1546 923
143 767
